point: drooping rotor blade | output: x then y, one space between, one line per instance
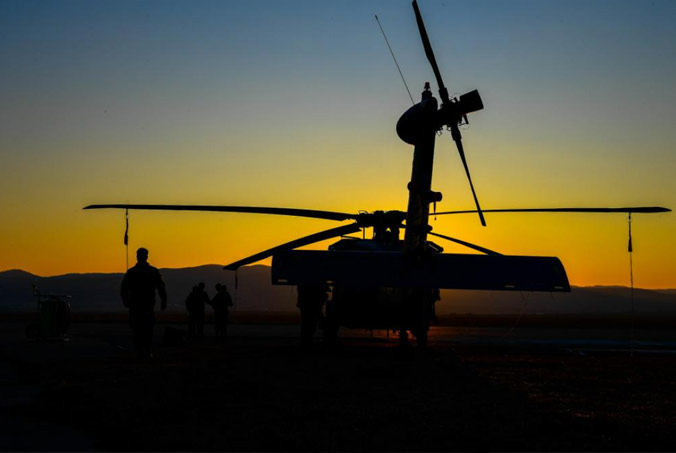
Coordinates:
443 93
461 151
466 244
307 240
329 215
633 210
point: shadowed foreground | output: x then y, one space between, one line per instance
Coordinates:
261 392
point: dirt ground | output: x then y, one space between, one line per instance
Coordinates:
260 392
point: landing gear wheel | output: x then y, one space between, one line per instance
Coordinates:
421 338
404 342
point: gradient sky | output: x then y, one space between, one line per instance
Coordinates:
294 104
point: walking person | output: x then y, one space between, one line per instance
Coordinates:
195 303
138 295
221 304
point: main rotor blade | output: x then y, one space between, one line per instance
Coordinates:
329 215
466 244
316 237
633 210
443 93
461 151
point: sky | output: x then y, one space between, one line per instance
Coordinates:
294 104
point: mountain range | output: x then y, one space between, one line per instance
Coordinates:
253 291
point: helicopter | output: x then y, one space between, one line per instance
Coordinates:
387 281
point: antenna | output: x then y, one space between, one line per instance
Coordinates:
395 60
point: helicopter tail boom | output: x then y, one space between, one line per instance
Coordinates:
447 270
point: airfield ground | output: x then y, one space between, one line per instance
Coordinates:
474 388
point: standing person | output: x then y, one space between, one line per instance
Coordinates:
195 305
221 304
190 306
311 300
138 294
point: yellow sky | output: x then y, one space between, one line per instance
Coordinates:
49 234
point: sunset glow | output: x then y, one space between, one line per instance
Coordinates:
294 104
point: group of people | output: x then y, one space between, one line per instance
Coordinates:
138 289
196 302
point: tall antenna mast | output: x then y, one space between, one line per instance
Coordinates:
395 60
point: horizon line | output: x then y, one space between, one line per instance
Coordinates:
220 266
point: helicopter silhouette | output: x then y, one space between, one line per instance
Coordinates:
386 281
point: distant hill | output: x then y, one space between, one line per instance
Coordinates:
602 300
100 293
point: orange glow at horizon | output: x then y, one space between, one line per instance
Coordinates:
593 248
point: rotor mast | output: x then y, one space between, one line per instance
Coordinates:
420 193
418 126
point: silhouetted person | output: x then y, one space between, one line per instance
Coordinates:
436 297
311 300
195 304
189 304
138 294
221 304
